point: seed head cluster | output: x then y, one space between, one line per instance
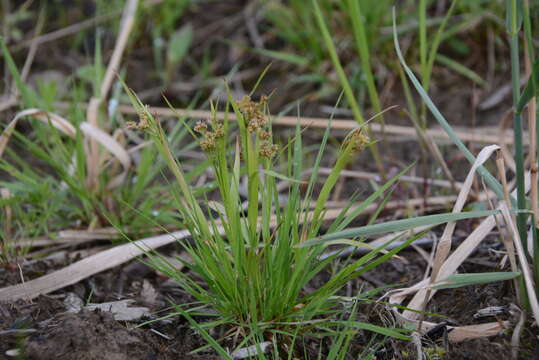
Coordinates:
256 121
144 121
210 131
358 139
253 113
268 150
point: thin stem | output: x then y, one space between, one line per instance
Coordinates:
517 125
348 92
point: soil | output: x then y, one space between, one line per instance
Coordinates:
45 329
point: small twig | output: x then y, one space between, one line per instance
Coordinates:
68 30
161 334
250 15
33 47
499 95
481 135
423 241
524 266
406 178
12 99
20 273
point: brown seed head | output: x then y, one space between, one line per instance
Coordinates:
264 135
201 127
358 140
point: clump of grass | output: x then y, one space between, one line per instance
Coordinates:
251 265
46 170
252 262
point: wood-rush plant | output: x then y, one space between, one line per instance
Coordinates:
255 261
251 262
251 265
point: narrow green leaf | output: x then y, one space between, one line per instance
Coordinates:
398 225
459 280
28 95
489 179
531 88
369 200
377 329
283 56
281 176
204 334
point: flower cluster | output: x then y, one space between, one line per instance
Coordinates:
209 135
253 112
144 122
268 150
358 139
257 122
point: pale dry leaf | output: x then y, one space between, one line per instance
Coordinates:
444 245
524 266
423 291
251 351
57 121
109 143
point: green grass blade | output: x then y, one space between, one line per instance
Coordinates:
222 352
459 280
377 329
375 195
514 17
342 77
28 95
530 90
489 179
435 44
399 225
364 54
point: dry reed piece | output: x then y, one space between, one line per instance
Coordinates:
75 28
486 135
476 135
524 266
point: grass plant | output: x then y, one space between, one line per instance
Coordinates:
52 191
254 273
251 266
